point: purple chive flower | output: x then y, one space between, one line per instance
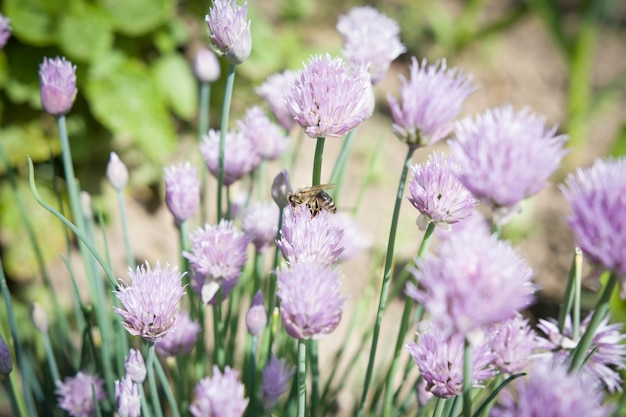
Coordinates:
472 281
273 90
304 238
6 363
371 40
328 101
117 173
75 394
597 198
256 317
182 339
506 157
276 375
549 390
354 240
260 222
5 30
135 366
127 398
217 255
240 156
206 67
222 395
281 188
268 138
607 352
437 193
513 342
182 191
229 30
431 98
57 79
440 361
310 299
150 302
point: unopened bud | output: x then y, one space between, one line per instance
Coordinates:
206 66
135 366
281 188
256 317
117 173
40 319
85 205
6 363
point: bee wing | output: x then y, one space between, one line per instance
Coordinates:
319 187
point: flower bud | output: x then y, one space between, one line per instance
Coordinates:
256 317
85 205
281 187
206 66
57 79
117 173
6 363
5 30
135 366
40 319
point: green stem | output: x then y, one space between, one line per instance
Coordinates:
570 290
8 387
441 402
315 375
167 388
154 392
301 378
317 162
386 278
335 176
467 379
203 128
252 376
228 93
54 369
271 300
218 327
130 259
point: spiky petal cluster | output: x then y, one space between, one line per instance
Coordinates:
260 222
268 138
430 99
182 191
127 398
273 90
240 156
438 194
371 40
135 366
276 375
182 339
76 396
5 30
221 395
440 361
549 390
229 30
467 270
328 101
607 353
305 238
310 299
506 156
150 302
597 199
513 342
57 85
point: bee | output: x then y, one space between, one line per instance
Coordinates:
314 197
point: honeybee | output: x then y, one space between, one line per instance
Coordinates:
314 197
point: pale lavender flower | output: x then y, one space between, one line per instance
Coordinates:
40 318
597 198
281 188
371 40
472 281
127 398
607 352
240 157
273 90
117 173
260 222
182 339
328 101
57 79
310 299
75 394
354 240
303 237
135 366
6 363
182 191
431 98
268 139
437 193
217 255
513 342
5 30
256 317
276 375
506 157
150 302
440 361
222 395
229 30
550 391
206 66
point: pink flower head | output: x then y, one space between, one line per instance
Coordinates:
273 90
221 395
431 98
268 138
182 191
5 30
127 398
512 341
240 157
57 85
150 302
206 66
256 317
76 396
328 101
229 30
276 375
260 222
182 339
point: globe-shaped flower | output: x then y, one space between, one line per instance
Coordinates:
268 138
512 341
221 395
310 299
597 199
182 191
506 157
472 281
57 85
229 30
240 156
273 90
260 222
438 194
430 99
5 30
76 396
328 101
276 375
150 302
127 398
182 339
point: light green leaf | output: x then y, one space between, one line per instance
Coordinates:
34 21
138 17
85 32
20 140
176 82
